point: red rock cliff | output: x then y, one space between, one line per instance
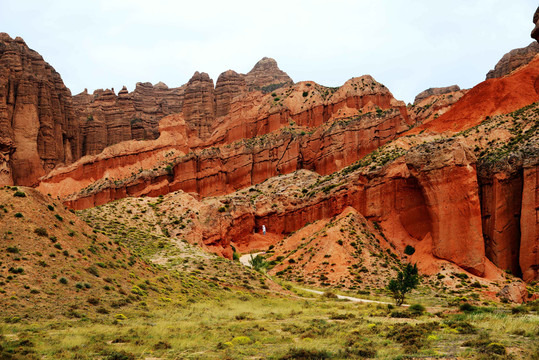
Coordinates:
37 127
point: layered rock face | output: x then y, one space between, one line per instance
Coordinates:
266 73
199 107
107 119
37 127
446 173
229 85
435 92
529 223
514 60
280 143
433 104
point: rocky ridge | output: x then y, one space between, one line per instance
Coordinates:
435 92
321 130
514 60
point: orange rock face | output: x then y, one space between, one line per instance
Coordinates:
446 172
491 97
529 222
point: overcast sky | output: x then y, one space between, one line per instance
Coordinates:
407 45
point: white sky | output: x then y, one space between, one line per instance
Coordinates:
407 45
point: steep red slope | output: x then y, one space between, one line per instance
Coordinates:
489 98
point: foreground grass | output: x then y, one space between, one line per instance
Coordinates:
241 325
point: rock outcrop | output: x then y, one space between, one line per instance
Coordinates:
266 76
492 97
535 31
435 92
446 172
514 60
433 106
199 107
529 223
37 126
107 119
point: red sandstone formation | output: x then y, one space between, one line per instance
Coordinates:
330 146
402 197
489 98
229 85
107 119
37 128
501 211
446 173
529 223
199 106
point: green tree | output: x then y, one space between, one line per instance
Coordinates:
258 263
406 281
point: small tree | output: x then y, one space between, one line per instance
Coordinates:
406 281
258 263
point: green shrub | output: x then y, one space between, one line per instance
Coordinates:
58 217
258 263
12 249
118 355
18 270
162 345
93 270
41 231
520 309
409 250
19 194
467 307
50 207
18 215
306 354
416 309
63 280
494 348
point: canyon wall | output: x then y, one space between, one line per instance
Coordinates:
37 127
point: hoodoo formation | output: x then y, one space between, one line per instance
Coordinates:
453 176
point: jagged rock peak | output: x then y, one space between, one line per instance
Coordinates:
229 84
161 85
200 76
266 72
265 63
435 91
513 60
535 31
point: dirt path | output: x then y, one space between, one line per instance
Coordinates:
354 299
244 259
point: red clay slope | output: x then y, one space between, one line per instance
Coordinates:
491 97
